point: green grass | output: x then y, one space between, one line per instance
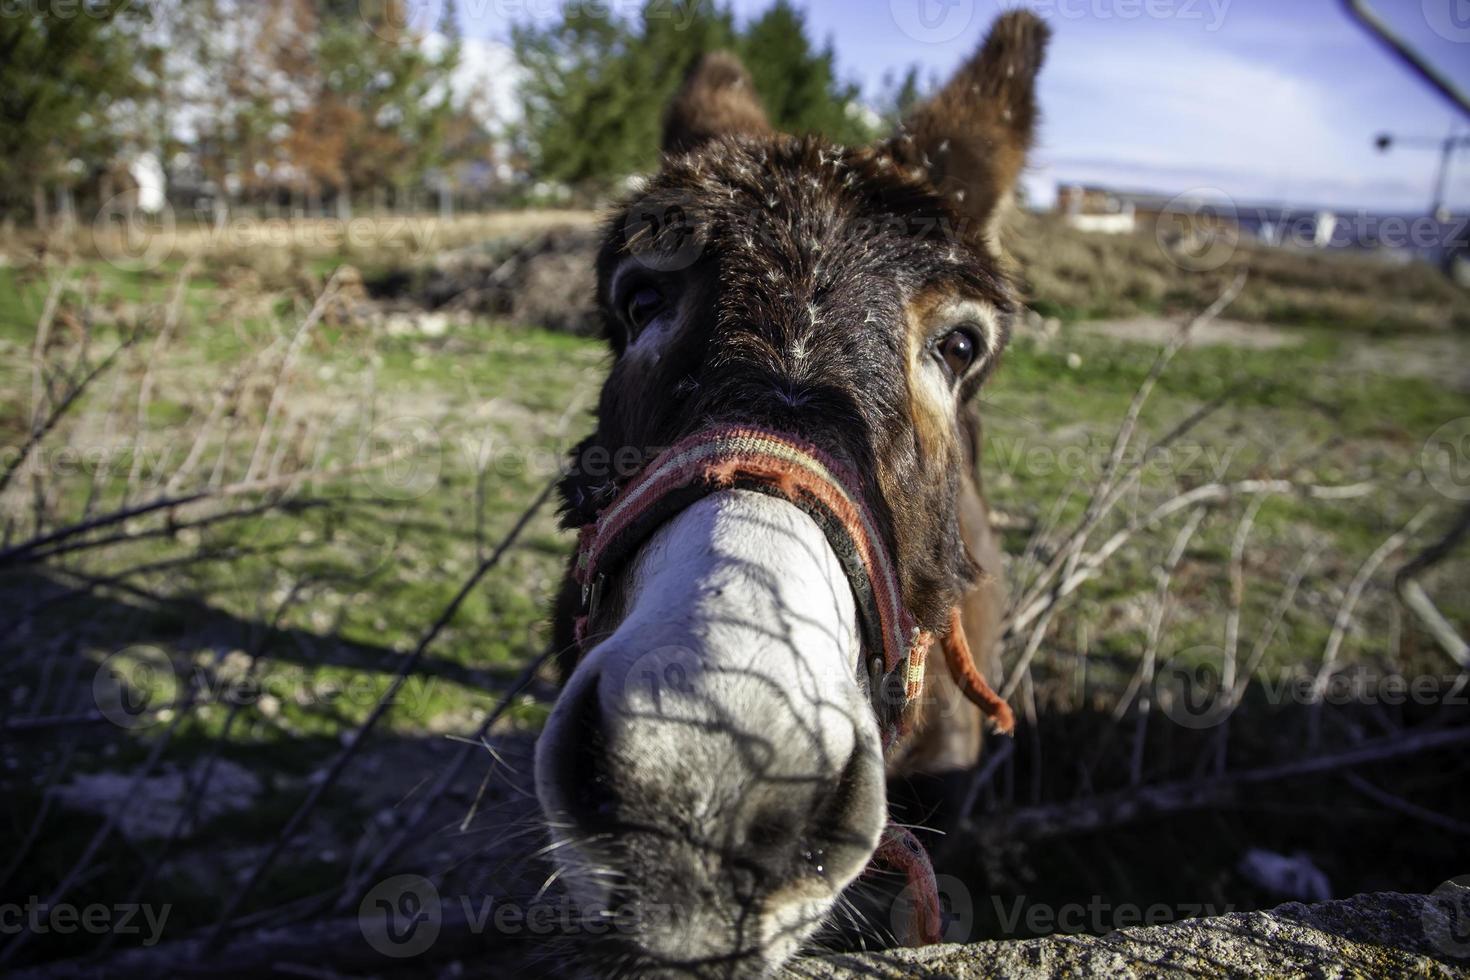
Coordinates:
388 551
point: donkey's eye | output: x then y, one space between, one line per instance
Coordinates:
642 305
959 349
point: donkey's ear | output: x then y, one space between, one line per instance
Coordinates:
716 99
973 135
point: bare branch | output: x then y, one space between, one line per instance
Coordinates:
1126 806
1413 595
360 734
1360 581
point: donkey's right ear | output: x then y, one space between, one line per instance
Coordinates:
716 99
973 135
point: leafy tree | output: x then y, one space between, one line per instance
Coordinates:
900 97
596 85
376 101
61 72
797 83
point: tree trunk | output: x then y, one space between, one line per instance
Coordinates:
65 209
38 206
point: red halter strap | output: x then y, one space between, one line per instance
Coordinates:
783 466
894 646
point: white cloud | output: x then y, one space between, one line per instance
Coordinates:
1170 115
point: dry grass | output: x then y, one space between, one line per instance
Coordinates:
1078 276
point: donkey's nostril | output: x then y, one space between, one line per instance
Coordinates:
579 763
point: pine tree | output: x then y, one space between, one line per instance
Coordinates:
60 75
798 84
596 85
377 95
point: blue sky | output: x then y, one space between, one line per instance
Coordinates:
1265 100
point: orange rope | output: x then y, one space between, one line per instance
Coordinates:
962 668
900 849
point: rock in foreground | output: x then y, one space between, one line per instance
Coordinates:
1379 935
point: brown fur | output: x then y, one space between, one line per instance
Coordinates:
716 99
805 278
976 131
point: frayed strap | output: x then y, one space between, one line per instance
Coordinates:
900 849
962 667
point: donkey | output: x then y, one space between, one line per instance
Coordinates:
716 761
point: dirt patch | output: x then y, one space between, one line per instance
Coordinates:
547 281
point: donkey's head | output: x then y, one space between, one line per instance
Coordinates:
714 766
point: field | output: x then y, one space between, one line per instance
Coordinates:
271 586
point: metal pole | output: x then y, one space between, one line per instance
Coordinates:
1447 150
1366 16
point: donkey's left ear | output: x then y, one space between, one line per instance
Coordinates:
717 99
973 135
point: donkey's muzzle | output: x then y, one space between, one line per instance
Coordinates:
757 806
715 762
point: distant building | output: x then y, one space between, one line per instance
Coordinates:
1441 240
1096 209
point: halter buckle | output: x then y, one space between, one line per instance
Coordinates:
592 595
